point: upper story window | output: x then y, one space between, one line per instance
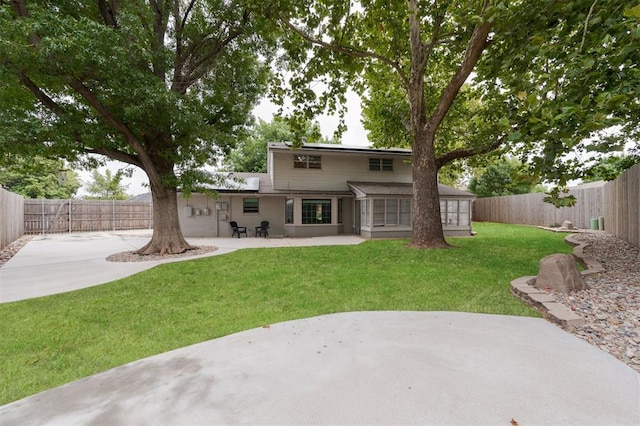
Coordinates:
381 164
307 162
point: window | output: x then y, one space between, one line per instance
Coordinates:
381 164
455 212
364 213
316 211
378 212
391 212
250 205
464 213
452 212
288 211
307 162
340 211
405 212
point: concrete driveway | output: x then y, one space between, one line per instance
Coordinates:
346 368
57 263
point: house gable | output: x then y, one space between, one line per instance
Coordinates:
334 166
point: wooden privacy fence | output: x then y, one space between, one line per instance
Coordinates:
11 217
529 209
622 206
617 201
55 216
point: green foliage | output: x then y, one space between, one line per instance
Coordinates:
564 82
505 177
166 86
38 177
609 168
107 186
543 92
556 198
116 81
49 341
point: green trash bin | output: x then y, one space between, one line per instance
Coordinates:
594 223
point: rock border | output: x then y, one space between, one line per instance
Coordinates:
551 309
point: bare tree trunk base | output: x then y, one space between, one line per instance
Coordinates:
158 248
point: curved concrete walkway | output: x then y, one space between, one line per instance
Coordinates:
58 263
358 368
348 368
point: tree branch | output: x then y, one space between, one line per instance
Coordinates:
20 6
199 65
116 155
476 46
186 14
109 12
45 99
146 162
586 25
347 50
159 29
469 152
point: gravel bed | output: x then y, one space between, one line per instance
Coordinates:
9 251
611 304
132 256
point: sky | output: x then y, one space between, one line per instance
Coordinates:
355 135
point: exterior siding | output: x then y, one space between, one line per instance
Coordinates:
216 223
330 182
306 231
202 225
337 169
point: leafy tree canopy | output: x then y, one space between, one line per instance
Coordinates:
108 186
575 78
609 168
538 92
39 177
165 86
505 177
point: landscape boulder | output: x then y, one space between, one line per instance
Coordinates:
559 272
567 225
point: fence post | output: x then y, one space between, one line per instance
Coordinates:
69 215
42 218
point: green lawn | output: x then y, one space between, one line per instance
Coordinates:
53 340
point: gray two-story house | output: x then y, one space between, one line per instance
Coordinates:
322 189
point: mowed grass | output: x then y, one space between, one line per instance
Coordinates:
53 340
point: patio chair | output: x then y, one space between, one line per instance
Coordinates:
237 230
263 229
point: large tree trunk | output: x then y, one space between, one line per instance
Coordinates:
167 236
427 225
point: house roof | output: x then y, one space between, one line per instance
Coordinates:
596 184
260 183
379 188
288 146
236 182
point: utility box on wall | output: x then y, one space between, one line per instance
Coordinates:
188 211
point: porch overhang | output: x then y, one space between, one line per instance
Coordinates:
384 189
